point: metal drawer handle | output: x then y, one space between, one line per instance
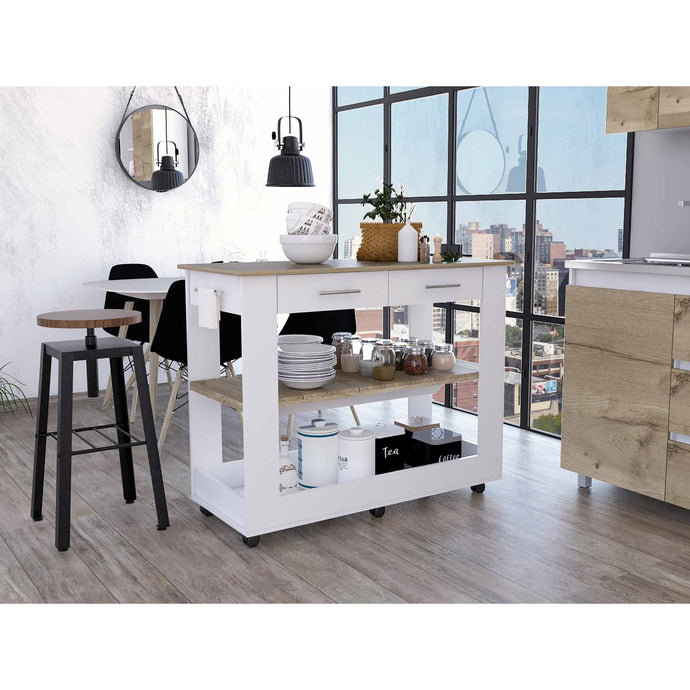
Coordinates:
339 292
434 287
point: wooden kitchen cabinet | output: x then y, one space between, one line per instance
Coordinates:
639 108
674 106
631 108
678 474
616 387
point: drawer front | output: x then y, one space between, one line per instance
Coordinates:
441 285
321 292
678 474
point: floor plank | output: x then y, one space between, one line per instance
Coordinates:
16 586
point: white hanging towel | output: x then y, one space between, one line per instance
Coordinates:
209 308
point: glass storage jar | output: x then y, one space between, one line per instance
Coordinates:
349 354
415 361
399 349
428 347
367 349
384 361
337 341
443 358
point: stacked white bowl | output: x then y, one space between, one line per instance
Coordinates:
309 238
305 365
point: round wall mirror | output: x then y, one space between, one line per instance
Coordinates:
157 148
481 162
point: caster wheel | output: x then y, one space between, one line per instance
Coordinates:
205 512
478 488
251 542
377 512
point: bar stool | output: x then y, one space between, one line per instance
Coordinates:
91 350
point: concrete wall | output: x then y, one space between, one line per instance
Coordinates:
67 211
661 178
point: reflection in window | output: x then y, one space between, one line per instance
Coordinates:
548 343
491 140
358 94
419 145
495 230
574 149
571 229
360 151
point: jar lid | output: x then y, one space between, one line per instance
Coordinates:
426 343
399 346
414 350
444 347
350 336
369 340
412 340
339 335
385 341
357 433
319 427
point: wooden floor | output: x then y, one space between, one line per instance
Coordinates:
531 537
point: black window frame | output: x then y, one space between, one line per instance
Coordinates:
531 196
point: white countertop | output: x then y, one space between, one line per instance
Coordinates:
617 266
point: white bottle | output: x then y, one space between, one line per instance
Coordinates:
287 472
408 242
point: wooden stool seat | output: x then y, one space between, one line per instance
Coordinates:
89 318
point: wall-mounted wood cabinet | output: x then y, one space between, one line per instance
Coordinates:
639 108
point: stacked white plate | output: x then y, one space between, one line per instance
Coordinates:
305 365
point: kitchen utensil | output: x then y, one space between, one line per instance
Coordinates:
356 454
308 249
317 454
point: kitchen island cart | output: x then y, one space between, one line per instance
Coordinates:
245 493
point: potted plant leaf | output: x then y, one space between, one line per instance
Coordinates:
11 395
389 211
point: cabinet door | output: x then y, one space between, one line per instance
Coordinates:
681 328
674 106
616 387
678 474
631 108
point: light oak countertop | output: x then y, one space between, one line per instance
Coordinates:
283 268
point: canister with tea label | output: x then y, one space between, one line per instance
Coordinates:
317 454
356 454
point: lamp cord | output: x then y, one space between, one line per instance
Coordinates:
289 110
124 114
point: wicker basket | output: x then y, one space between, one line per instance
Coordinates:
380 241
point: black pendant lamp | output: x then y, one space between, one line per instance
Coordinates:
290 168
167 177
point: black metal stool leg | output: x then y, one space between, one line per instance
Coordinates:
117 378
64 456
150 435
91 365
40 441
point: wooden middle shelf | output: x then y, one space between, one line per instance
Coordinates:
228 390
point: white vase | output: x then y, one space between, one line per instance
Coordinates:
408 241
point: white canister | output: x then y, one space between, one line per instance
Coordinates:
356 454
408 243
317 454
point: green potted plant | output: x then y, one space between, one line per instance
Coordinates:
390 212
11 395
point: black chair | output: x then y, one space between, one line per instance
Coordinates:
325 324
170 342
139 332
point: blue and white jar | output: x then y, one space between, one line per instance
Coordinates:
317 454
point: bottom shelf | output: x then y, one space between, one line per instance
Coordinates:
222 491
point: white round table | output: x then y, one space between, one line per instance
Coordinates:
154 291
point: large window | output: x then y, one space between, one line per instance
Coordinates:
524 173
